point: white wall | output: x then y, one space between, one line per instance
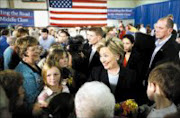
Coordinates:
121 3
30 5
4 4
143 2
41 18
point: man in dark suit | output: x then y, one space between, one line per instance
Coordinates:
159 49
166 48
155 50
94 35
89 58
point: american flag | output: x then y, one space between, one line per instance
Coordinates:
77 13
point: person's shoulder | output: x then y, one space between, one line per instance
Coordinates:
8 50
142 36
51 37
98 68
20 65
2 37
126 70
172 108
40 38
65 89
173 44
162 112
98 71
22 68
128 74
3 41
46 90
86 45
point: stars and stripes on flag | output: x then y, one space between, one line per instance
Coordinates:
77 13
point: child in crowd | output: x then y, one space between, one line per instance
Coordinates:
44 56
52 79
61 58
162 85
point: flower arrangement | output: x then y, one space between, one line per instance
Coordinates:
70 80
126 108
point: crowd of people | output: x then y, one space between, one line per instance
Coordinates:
84 72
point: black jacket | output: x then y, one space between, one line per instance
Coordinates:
95 59
145 45
126 87
167 53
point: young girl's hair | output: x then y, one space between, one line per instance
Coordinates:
56 55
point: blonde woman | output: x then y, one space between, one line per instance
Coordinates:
120 80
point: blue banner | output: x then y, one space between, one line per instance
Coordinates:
16 17
120 13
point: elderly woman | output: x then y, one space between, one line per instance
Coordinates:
29 52
120 80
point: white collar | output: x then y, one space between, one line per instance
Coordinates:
161 42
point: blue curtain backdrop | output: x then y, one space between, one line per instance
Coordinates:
149 14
